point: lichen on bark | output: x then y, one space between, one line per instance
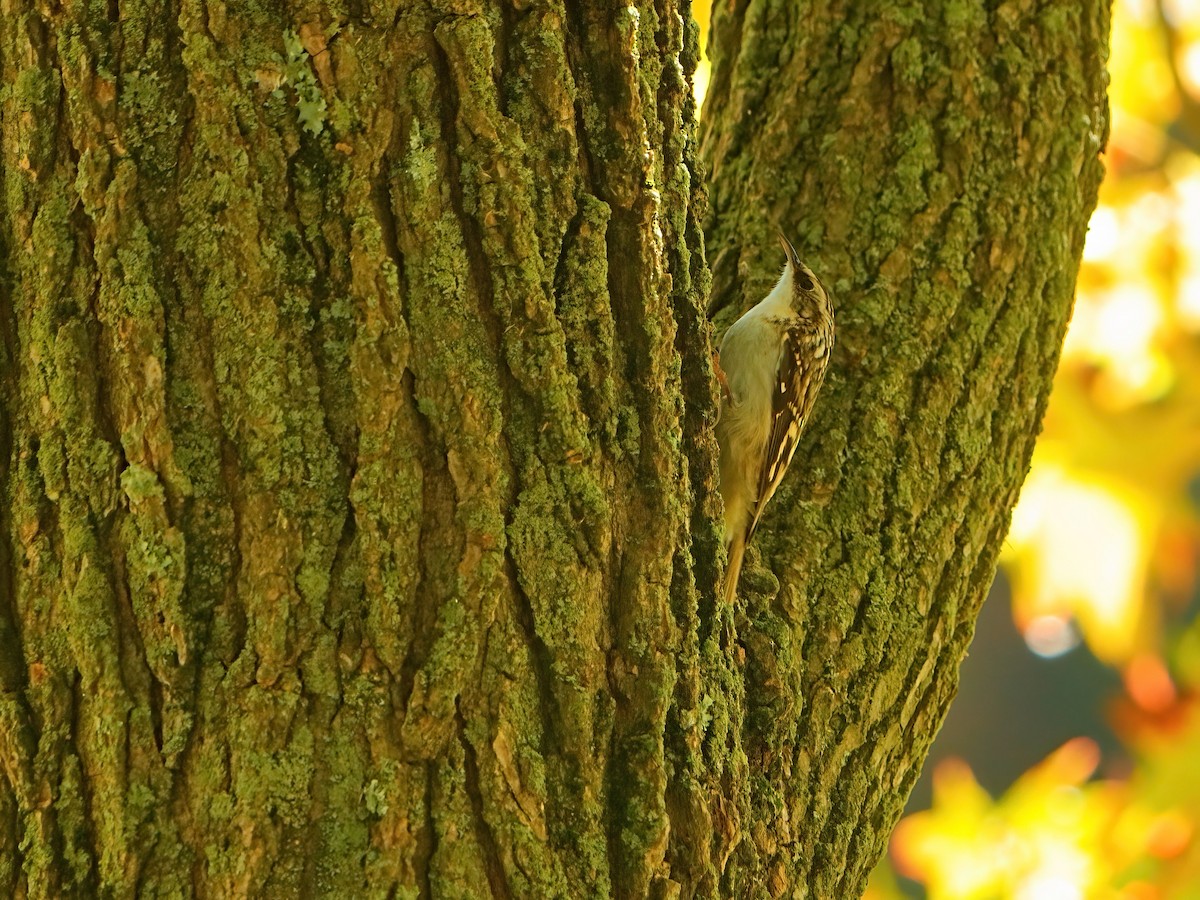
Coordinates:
936 164
357 417
360 534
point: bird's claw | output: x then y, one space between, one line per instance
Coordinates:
721 379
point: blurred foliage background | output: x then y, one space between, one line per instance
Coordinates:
1069 766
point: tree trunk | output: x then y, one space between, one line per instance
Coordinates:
357 453
936 165
359 534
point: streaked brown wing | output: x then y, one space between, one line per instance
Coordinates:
800 375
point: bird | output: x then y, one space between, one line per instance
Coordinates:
770 365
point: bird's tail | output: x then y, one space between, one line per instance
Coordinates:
737 551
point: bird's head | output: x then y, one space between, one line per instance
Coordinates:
808 296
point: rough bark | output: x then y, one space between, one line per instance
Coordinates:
936 164
358 534
357 459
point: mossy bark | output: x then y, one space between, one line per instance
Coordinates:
359 534
935 164
357 456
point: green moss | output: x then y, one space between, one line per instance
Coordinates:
420 163
155 559
278 782
908 60
34 90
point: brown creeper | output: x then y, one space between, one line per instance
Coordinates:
773 360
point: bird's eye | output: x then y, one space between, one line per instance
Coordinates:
806 283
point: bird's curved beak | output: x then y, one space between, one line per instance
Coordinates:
792 257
